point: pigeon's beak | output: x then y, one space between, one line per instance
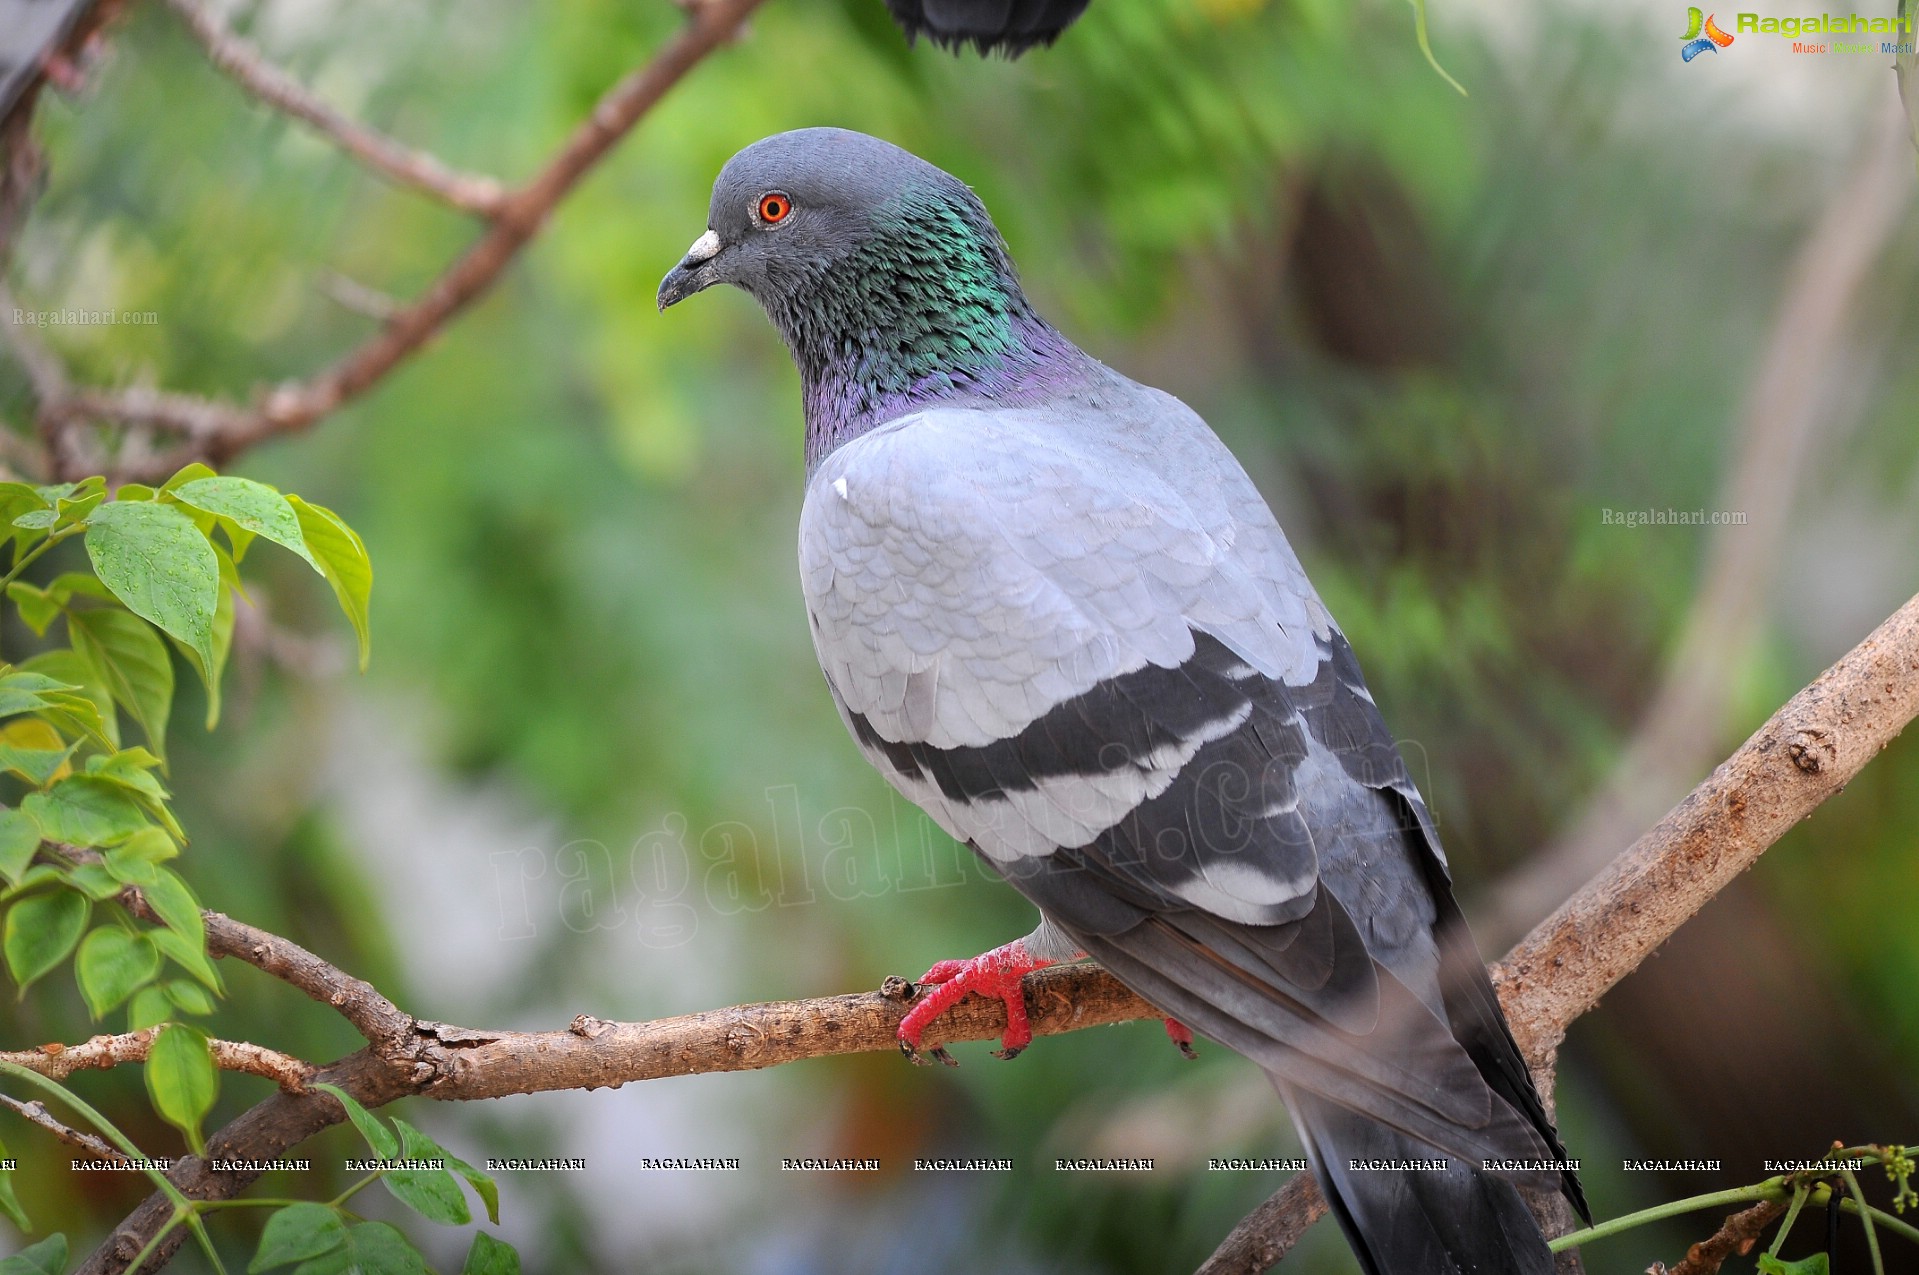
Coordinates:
695 273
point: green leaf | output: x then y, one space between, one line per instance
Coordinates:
432 1193
113 964
9 1203
187 474
130 769
37 607
136 861
86 810
378 1137
253 507
343 560
31 880
94 881
19 838
34 750
188 954
297 1232
185 937
182 1080
68 583
82 704
134 663
37 519
150 1008
489 1256
23 690
372 1248
41 929
223 616
76 509
18 498
48 1257
157 562
1817 1264
190 998
483 1186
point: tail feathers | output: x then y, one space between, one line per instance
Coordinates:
992 26
1460 1220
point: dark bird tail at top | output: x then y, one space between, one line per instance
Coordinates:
991 26
1460 1220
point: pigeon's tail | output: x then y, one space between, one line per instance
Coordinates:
1459 1220
991 26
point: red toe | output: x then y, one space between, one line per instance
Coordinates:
996 973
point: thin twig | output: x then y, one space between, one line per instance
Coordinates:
37 1113
57 1061
1735 1235
469 192
356 1000
216 431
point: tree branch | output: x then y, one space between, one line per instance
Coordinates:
57 1062
36 1112
1738 1231
358 1001
469 192
215 431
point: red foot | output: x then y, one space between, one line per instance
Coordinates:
62 73
995 973
1182 1036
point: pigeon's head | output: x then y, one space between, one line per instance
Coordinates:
828 213
884 275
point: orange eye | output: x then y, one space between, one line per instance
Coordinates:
775 208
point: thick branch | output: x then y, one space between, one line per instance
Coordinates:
1805 753
592 1054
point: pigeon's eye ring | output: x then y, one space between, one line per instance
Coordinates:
774 208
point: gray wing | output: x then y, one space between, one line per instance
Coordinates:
1084 647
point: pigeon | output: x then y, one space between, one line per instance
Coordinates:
1054 612
991 26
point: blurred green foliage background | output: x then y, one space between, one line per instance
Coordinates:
1444 334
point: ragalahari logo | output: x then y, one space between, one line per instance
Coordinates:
1702 36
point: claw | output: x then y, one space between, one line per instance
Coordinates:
996 973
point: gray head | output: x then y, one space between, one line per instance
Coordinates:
884 274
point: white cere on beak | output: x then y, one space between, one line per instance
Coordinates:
705 248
